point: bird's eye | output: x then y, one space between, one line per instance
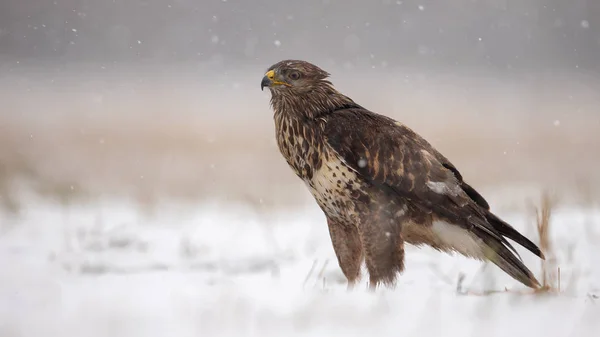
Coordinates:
295 75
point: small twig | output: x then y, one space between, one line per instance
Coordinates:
323 269
442 276
312 268
461 278
558 279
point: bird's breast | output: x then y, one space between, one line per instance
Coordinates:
337 188
301 145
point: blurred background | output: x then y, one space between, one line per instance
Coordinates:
152 100
142 192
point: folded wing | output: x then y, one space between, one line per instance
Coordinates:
392 157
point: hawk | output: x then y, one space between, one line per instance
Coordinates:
380 184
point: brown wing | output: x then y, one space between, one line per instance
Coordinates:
393 157
470 191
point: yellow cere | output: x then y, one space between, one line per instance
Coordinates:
271 75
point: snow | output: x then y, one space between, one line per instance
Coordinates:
114 269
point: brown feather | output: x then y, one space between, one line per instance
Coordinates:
379 183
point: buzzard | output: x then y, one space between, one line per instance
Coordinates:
379 183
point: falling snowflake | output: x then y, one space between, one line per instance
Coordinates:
277 43
585 24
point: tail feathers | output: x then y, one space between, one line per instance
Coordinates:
508 231
479 243
498 253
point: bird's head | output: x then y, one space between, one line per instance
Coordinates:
302 89
294 76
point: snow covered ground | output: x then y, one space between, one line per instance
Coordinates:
111 269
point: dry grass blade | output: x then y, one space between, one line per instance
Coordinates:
322 272
310 272
550 270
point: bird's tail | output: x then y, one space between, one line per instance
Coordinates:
499 254
503 254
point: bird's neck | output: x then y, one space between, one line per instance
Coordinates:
312 104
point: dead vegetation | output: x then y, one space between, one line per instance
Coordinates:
550 270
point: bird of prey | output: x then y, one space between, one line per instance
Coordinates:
379 183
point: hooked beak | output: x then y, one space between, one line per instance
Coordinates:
269 80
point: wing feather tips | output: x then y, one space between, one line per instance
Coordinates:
503 254
508 231
497 253
473 194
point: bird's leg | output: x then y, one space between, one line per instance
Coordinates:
384 249
348 249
